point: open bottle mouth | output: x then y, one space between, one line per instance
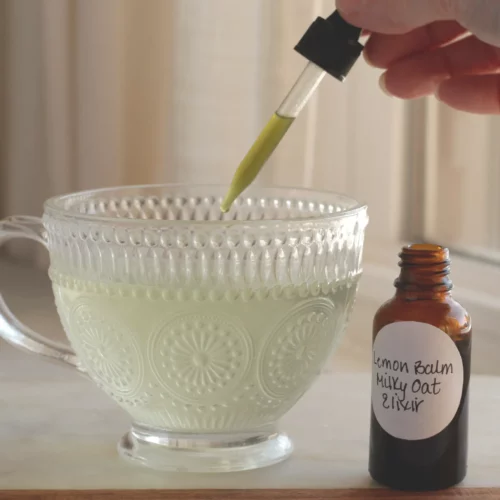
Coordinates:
181 203
423 249
424 255
424 267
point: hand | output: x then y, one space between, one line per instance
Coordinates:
450 48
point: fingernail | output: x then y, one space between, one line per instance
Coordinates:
367 58
383 84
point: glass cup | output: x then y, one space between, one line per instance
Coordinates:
206 328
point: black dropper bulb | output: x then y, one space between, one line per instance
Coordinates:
350 31
332 44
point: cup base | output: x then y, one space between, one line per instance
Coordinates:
180 452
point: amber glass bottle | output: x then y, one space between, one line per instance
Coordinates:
420 383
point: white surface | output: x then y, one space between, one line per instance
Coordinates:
58 431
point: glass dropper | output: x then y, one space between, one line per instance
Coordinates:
332 46
274 131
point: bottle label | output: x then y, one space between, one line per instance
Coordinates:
417 380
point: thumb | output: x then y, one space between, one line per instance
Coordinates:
396 16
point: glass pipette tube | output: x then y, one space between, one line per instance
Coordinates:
274 131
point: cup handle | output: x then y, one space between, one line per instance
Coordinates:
11 329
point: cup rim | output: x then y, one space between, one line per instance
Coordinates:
53 206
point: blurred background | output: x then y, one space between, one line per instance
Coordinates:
98 93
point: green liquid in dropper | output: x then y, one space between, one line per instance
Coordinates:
258 155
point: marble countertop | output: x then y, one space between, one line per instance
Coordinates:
58 431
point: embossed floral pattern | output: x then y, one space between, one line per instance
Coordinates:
200 357
297 347
248 295
109 351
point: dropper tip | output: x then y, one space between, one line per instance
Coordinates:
225 206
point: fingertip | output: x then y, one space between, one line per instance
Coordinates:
368 59
371 53
383 84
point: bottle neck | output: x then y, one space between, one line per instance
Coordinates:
424 272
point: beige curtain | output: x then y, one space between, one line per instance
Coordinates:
129 91
105 92
462 180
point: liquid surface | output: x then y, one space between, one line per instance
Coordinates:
180 361
256 158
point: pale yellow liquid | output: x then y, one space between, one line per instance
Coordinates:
257 156
202 361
